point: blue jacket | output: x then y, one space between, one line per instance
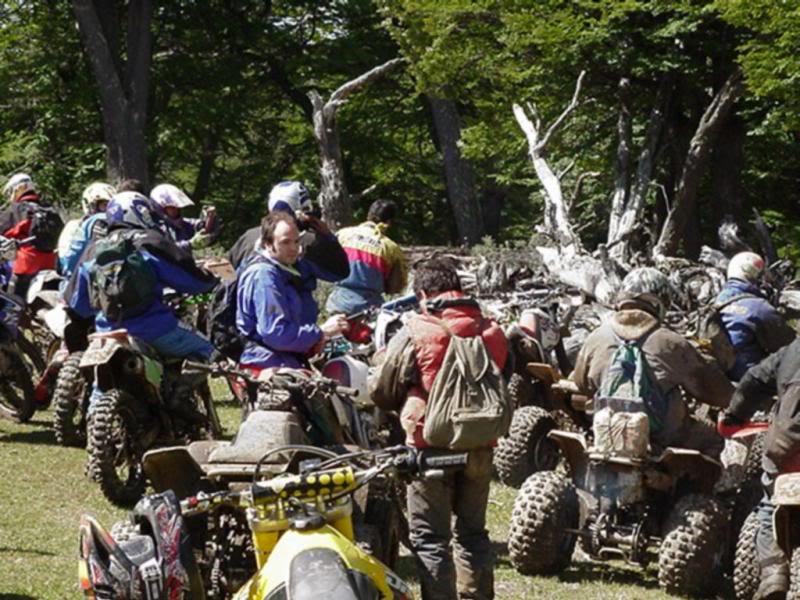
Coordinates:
755 327
79 243
173 267
277 313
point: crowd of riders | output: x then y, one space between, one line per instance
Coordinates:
130 245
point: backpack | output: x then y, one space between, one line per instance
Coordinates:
713 335
122 284
629 403
222 308
46 226
468 404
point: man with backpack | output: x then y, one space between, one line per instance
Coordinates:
445 372
665 360
122 277
754 327
92 225
377 264
775 376
29 221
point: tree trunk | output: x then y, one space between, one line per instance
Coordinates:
334 199
123 86
207 159
622 165
727 165
459 174
700 148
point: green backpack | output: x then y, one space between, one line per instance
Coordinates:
122 285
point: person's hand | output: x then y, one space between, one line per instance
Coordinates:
335 325
314 223
728 424
200 240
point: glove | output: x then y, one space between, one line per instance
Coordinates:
200 240
8 248
728 424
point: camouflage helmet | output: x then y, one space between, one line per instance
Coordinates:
648 285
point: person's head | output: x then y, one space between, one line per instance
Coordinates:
289 196
746 266
382 211
96 197
280 237
170 199
131 210
17 185
435 276
131 185
645 286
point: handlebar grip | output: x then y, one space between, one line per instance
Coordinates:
443 461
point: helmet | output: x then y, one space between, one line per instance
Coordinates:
167 194
648 285
17 185
94 194
149 556
289 196
747 266
131 209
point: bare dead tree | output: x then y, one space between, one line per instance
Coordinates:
556 215
123 86
697 158
334 198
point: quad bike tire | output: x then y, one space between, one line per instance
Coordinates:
521 391
546 507
111 432
526 449
691 559
16 391
69 400
750 490
746 571
794 574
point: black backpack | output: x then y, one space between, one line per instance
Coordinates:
221 320
713 336
123 285
46 226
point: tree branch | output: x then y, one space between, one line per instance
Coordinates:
570 107
354 84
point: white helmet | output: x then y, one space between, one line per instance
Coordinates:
747 266
166 194
131 209
289 196
94 194
17 185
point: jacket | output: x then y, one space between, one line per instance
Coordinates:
277 314
15 224
756 329
91 228
377 266
409 366
777 375
675 364
173 267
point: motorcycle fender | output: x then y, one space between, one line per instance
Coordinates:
56 320
573 445
679 462
100 352
275 572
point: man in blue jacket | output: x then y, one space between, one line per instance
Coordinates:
756 329
130 215
276 310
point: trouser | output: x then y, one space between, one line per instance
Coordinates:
431 506
19 285
771 558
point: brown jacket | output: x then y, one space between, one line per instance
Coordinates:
674 361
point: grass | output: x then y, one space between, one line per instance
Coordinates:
43 492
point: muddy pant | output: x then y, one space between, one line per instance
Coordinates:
431 506
696 434
771 558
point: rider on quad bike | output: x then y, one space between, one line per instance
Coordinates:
675 363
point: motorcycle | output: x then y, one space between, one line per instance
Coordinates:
17 394
146 401
623 500
300 526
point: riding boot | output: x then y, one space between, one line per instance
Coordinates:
774 582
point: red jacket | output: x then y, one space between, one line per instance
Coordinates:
28 260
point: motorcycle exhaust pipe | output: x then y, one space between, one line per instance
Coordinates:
133 365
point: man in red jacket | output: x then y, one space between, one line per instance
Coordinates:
15 223
402 382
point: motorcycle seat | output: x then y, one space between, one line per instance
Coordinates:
260 432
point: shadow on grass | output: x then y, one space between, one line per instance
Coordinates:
16 597
601 572
4 549
39 436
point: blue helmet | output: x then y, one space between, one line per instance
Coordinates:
132 210
289 196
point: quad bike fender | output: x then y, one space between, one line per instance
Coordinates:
175 468
574 448
786 518
695 465
325 549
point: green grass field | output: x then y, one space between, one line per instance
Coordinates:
43 492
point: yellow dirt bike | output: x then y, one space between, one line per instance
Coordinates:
301 526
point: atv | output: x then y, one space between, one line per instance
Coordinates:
623 499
